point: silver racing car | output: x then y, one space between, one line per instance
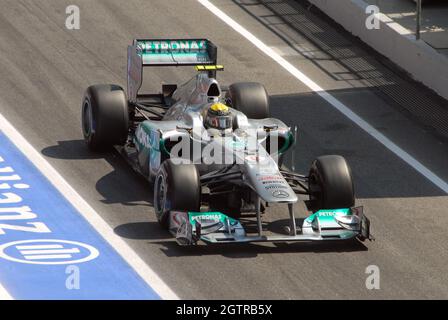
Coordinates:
214 154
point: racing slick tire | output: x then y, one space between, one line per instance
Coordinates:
105 116
250 98
176 187
330 183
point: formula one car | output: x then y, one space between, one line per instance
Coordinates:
214 154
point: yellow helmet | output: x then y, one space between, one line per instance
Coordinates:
218 117
219 108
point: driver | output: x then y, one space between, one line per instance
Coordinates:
218 117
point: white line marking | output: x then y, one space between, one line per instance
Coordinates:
37 247
4 295
10 178
410 160
49 257
55 251
129 255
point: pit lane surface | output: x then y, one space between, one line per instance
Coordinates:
45 69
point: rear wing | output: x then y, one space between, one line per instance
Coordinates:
165 52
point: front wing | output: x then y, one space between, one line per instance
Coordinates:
216 227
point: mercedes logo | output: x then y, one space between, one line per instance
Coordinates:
280 194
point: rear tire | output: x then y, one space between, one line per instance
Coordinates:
250 98
330 183
105 116
176 187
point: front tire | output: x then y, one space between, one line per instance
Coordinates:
105 116
330 183
176 187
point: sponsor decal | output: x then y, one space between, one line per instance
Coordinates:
255 158
326 214
13 210
267 170
274 181
276 186
48 252
332 213
167 46
276 177
142 137
207 218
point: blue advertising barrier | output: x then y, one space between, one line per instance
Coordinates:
47 249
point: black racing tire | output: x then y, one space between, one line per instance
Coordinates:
105 116
250 98
330 183
176 187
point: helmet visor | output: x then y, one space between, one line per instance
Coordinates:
220 122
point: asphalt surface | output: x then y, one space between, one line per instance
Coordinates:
45 69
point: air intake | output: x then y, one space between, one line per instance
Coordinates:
213 90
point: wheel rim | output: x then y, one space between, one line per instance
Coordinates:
160 195
87 123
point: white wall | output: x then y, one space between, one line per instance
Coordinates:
392 40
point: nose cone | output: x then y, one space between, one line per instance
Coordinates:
268 182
